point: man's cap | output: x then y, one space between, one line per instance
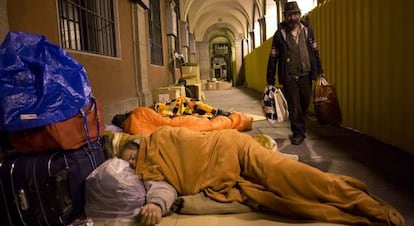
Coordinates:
291 7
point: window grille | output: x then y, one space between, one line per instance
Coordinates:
155 32
88 25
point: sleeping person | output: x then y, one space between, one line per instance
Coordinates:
227 166
114 193
160 195
129 152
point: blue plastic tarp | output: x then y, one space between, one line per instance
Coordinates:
40 83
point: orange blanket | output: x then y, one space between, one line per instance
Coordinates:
144 120
228 165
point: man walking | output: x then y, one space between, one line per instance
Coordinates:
295 52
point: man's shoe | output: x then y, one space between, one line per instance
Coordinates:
297 140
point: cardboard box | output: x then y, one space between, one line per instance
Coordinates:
220 85
196 91
192 80
191 73
167 93
209 85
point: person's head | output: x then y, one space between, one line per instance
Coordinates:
292 14
129 153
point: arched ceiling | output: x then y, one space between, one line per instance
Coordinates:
206 16
225 30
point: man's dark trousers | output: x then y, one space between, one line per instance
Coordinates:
298 91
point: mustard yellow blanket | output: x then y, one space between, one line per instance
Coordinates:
231 166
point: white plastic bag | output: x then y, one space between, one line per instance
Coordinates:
113 190
275 105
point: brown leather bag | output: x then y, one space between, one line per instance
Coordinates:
326 105
72 133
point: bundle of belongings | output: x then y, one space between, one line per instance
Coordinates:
181 112
52 125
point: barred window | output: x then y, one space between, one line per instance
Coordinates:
155 33
88 25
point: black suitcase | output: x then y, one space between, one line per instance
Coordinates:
48 188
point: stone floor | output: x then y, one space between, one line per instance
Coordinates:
387 171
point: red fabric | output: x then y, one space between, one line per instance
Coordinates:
64 135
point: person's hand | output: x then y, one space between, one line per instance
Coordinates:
150 214
322 75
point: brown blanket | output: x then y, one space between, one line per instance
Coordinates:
231 166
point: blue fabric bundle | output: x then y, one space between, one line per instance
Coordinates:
40 83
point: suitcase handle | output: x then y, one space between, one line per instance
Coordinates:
24 203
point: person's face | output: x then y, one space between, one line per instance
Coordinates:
130 156
292 19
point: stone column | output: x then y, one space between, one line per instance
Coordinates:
141 56
280 7
262 22
171 36
204 63
185 42
252 39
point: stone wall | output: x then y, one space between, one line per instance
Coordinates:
4 23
